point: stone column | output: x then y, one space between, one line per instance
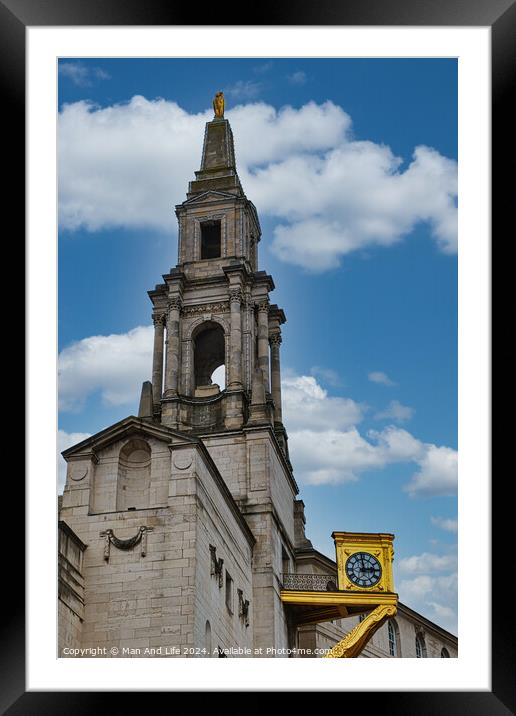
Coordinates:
263 341
235 353
275 341
157 357
172 367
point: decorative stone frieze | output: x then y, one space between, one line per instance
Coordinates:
243 607
216 566
205 308
126 544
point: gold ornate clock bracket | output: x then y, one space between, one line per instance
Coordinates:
353 643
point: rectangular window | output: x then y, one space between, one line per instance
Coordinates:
210 240
229 592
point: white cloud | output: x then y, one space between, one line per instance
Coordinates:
114 365
125 165
65 440
434 596
378 376
297 78
326 446
398 445
445 523
427 562
306 405
331 456
82 75
395 411
437 473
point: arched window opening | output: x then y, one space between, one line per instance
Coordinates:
134 472
209 355
445 654
394 638
207 639
420 647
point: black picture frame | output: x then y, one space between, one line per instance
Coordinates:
500 16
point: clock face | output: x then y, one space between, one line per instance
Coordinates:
363 570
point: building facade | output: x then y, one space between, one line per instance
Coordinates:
178 527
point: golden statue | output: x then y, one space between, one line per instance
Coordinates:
218 104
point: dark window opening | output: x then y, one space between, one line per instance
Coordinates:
420 648
210 240
209 352
229 593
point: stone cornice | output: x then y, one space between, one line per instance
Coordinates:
175 276
220 196
277 313
160 291
237 267
262 278
122 429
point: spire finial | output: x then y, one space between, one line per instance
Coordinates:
218 105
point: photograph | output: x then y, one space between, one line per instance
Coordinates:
257 275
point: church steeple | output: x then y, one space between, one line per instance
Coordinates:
218 166
215 307
217 222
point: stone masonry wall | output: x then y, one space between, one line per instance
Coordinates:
217 526
252 469
135 601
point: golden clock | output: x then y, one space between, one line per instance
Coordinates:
364 561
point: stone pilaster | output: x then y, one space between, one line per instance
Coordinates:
275 342
235 357
172 367
157 357
263 342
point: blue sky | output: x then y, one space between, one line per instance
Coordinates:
358 234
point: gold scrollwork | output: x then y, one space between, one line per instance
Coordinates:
353 643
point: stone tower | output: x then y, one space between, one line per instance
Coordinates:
213 310
178 528
186 516
214 307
